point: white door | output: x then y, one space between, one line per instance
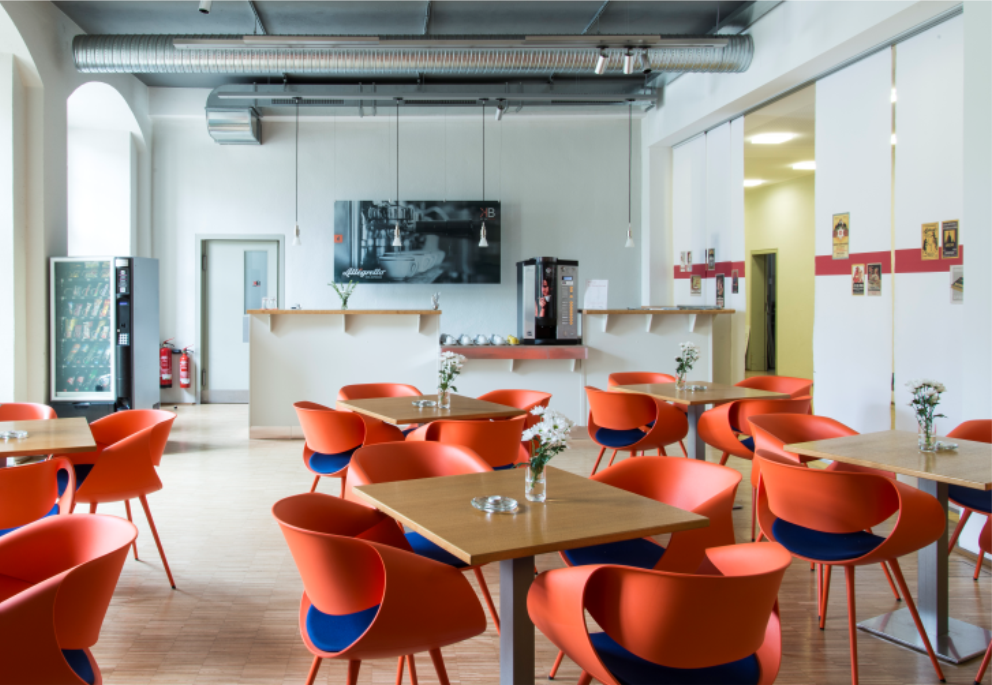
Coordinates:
237 275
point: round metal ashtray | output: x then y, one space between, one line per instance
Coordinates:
946 446
497 504
424 404
13 435
694 388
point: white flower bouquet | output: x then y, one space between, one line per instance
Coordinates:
926 397
688 356
547 439
448 369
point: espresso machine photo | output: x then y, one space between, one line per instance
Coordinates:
546 301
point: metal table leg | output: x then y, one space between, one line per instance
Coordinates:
516 640
953 640
694 444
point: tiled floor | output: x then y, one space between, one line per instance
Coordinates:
233 618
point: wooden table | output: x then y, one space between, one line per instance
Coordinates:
696 402
969 466
579 512
401 411
48 436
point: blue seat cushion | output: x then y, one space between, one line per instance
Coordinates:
640 553
80 663
631 669
748 442
979 500
815 544
505 467
82 471
426 548
618 439
331 463
332 633
51 512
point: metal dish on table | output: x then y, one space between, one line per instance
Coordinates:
424 404
496 504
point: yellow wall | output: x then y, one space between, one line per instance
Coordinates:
780 217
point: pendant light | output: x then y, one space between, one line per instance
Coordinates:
482 234
397 241
296 230
630 147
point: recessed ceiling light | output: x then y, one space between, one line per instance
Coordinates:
804 166
893 139
751 182
893 95
772 138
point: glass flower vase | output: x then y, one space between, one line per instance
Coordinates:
680 383
443 398
927 436
536 486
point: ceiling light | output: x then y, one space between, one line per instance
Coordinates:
205 6
601 62
752 182
630 147
893 139
500 108
628 62
804 166
772 138
893 95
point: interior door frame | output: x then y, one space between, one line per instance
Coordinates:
750 284
200 239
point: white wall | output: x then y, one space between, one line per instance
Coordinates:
101 172
13 378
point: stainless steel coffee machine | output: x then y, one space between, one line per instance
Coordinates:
547 313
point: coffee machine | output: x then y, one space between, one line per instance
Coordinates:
546 301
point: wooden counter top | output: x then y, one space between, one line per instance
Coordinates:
650 311
388 312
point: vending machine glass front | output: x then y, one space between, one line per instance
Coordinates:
82 330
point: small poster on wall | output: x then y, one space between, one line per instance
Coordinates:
711 259
873 275
720 292
957 284
858 279
688 260
949 229
931 241
841 235
682 262
696 285
733 281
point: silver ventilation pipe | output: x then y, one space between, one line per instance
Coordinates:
402 56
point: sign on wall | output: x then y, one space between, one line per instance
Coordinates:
931 242
951 241
842 235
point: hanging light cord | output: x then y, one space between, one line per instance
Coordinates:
630 147
397 159
297 180
483 151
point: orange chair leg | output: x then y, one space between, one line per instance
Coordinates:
825 596
662 452
134 545
554 669
354 667
316 480
413 669
985 664
754 510
614 456
399 670
314 667
598 458
965 515
342 489
485 595
911 605
978 566
158 543
723 459
684 452
852 622
93 507
819 590
888 577
73 507
585 679
442 674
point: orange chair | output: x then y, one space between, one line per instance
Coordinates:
796 387
115 427
717 625
525 400
646 378
723 426
27 493
365 599
331 438
968 499
57 577
413 460
368 391
985 545
125 470
823 517
26 411
497 442
633 423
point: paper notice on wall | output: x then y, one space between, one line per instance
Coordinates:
873 277
858 279
733 281
595 297
695 284
957 284
931 241
721 297
841 231
682 262
949 247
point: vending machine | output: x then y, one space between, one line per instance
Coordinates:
104 335
546 301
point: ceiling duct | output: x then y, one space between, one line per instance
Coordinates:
401 56
234 126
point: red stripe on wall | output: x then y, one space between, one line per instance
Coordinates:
909 261
720 268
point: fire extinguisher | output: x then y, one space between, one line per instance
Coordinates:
184 370
165 364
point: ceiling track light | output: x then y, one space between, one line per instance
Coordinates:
397 239
205 6
500 109
641 62
482 233
628 62
601 61
296 230
630 166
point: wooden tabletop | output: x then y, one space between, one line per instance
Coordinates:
48 436
400 410
969 465
715 393
579 512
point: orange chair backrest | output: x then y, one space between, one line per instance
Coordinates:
771 432
827 501
397 461
979 430
496 442
696 620
683 483
25 411
119 425
796 387
28 492
638 378
366 391
328 431
743 410
620 410
520 399
124 470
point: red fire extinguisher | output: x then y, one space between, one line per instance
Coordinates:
184 370
165 365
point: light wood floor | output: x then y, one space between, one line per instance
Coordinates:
234 617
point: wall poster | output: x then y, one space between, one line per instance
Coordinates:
957 284
688 260
931 241
711 259
949 230
682 262
720 291
857 279
873 276
733 281
841 230
696 284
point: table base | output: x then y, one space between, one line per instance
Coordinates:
516 639
962 642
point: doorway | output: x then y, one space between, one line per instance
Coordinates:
762 350
235 275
